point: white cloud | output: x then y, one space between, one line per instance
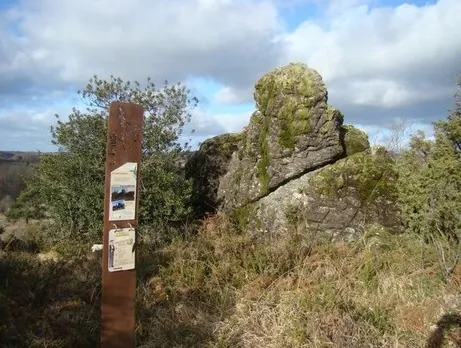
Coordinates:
229 95
328 5
397 59
206 124
69 41
395 137
378 62
388 93
28 128
386 57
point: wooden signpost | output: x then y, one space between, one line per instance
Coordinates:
123 160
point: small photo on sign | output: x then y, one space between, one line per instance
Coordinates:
117 205
123 192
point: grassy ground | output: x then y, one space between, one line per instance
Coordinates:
220 288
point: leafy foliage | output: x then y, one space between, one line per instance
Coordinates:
430 179
70 183
27 205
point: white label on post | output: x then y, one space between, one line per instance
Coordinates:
121 249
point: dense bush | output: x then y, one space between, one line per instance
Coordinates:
430 179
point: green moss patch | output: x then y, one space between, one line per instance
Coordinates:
264 162
355 140
294 121
370 176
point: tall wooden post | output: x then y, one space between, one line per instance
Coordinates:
124 140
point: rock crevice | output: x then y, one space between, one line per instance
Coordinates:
294 177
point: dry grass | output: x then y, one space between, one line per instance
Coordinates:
230 291
221 288
47 303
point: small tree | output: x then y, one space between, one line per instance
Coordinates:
70 183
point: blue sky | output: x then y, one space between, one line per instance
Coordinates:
381 60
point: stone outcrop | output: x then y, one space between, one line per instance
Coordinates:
293 132
295 163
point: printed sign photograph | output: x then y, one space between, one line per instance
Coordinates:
123 192
121 251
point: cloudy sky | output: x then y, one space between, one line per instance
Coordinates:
381 59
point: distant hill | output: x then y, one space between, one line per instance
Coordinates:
19 156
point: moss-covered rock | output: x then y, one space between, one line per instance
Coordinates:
295 165
370 176
336 199
292 132
355 140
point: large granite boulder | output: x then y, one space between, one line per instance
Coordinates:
293 131
295 165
